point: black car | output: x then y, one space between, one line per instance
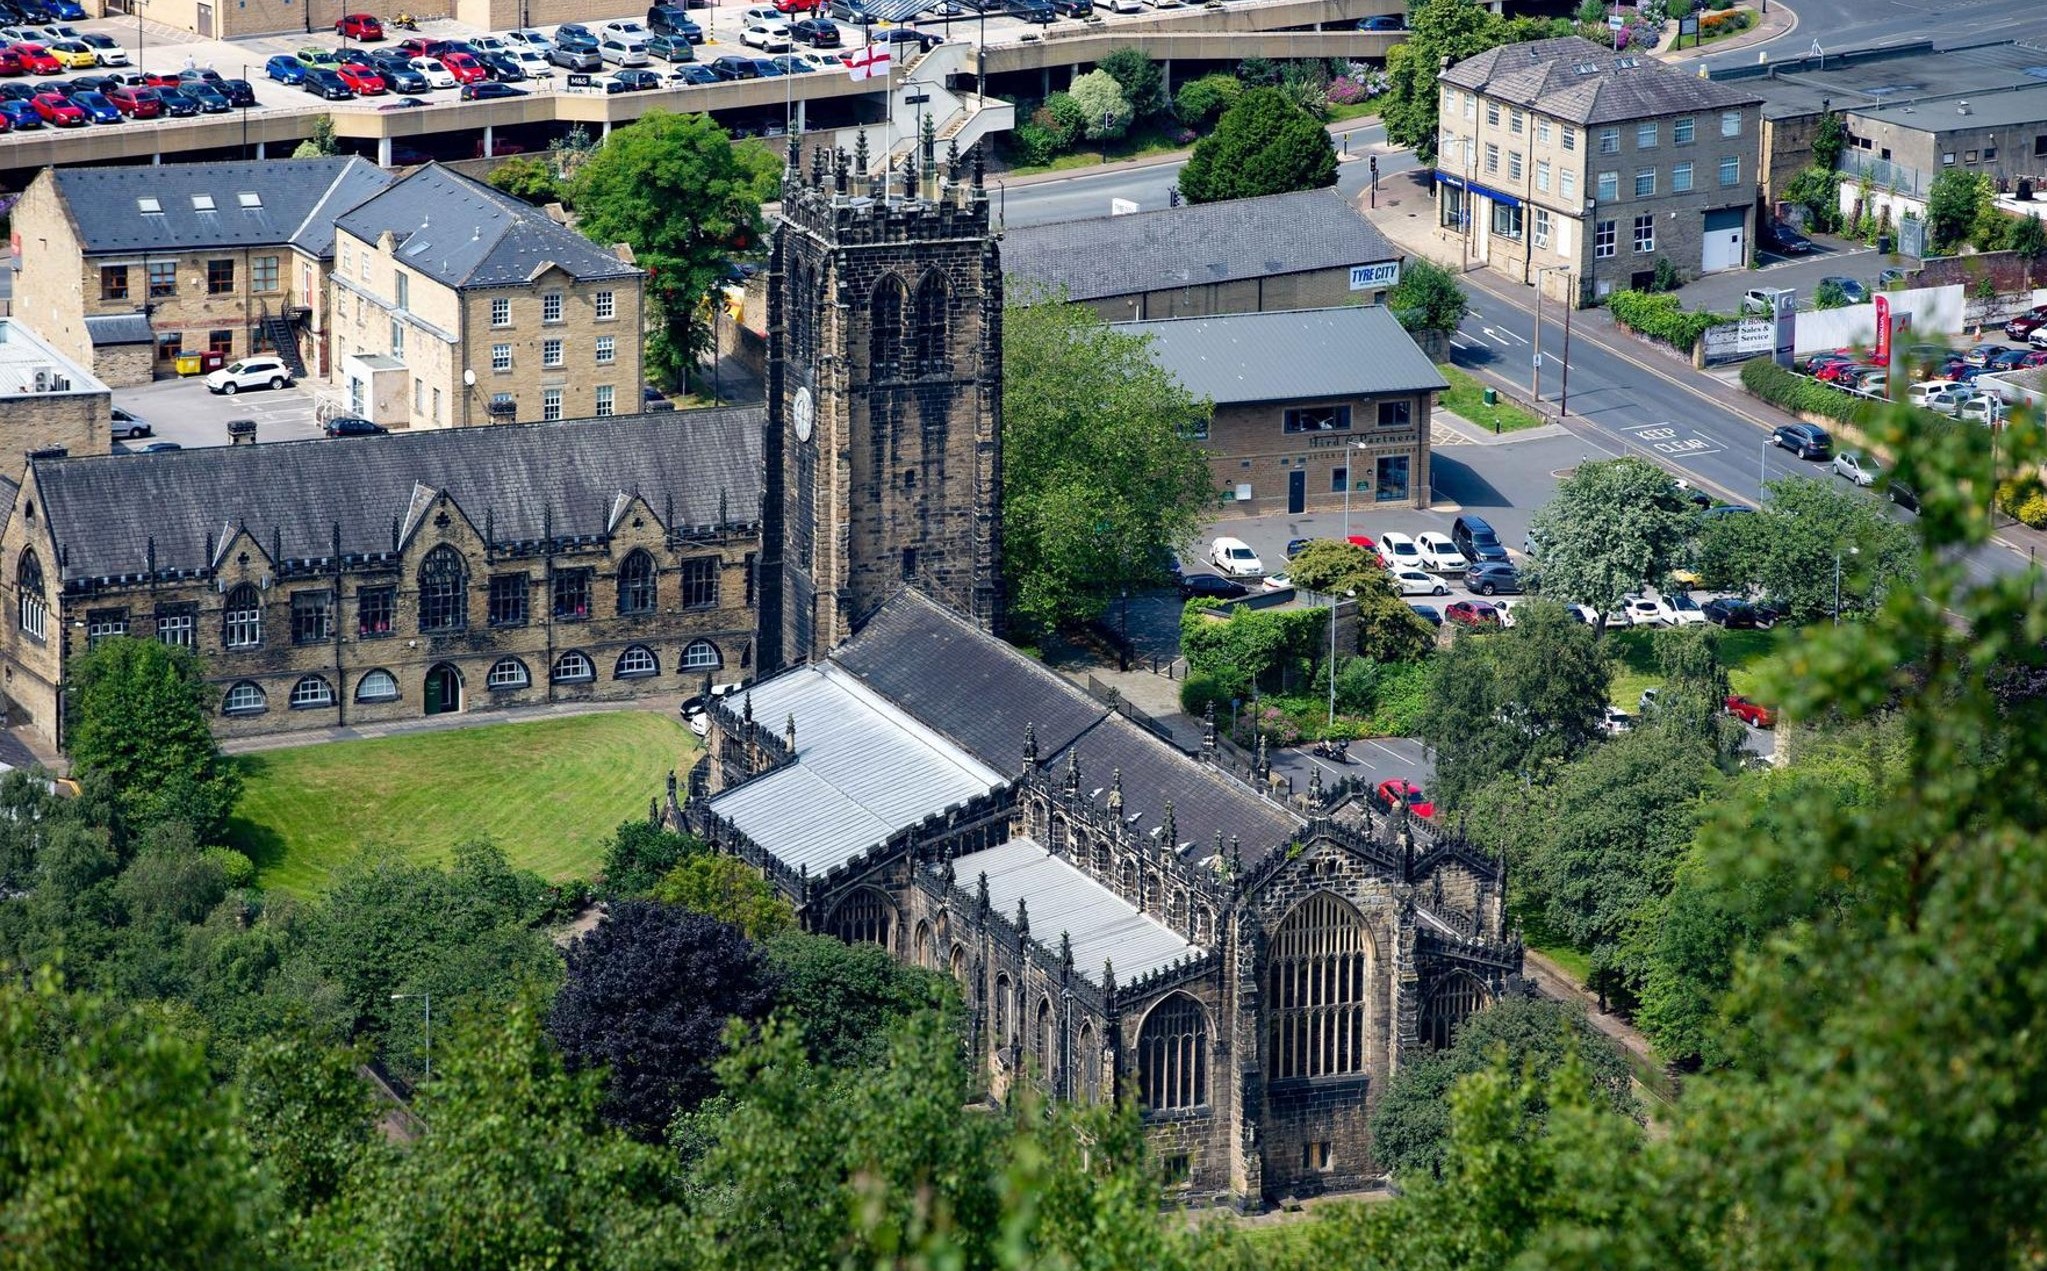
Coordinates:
178 106
1211 586
818 33
239 92
1074 8
1029 10
502 68
732 67
357 55
484 90
210 99
1807 441
1903 495
96 83
652 398
320 83
925 40
1730 612
1474 537
693 74
352 426
1719 510
403 79
1428 613
632 81
667 19
1492 577
1779 237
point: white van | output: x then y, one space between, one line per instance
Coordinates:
1233 556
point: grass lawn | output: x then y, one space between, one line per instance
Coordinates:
1634 662
1465 397
1135 145
1356 110
549 792
1569 960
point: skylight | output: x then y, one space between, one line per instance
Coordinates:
249 199
417 248
148 203
202 203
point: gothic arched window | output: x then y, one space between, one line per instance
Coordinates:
802 317
241 618
921 945
636 583
1452 1001
1172 1054
1004 992
443 591
864 918
1320 983
33 614
1087 1066
885 329
930 329
1044 1042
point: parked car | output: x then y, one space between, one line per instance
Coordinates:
2008 360
359 26
730 67
1857 467
632 81
239 92
491 90
1640 611
1234 556
1815 361
1439 553
1903 495
1683 610
1409 581
352 426
1982 353
669 19
652 398
137 103
57 110
128 425
502 67
1885 277
320 58
1211 586
285 69
2026 323
530 38
324 84
818 33
1807 441
436 73
671 48
767 38
260 371
1983 410
399 77
74 54
924 40
1428 613
96 107
1616 721
1752 713
1074 8
695 73
1492 578
1854 291
465 68
1382 22
1399 792
1474 537
1730 612
1397 549
20 116
574 57
1781 238
1472 614
176 105
2039 338
362 81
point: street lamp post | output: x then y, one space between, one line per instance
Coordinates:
397 997
1762 472
1563 401
1332 655
1853 551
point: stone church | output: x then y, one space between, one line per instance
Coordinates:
1122 915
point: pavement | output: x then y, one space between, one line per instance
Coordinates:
1845 24
182 412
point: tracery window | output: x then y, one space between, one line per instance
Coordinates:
443 591
1172 1055
34 612
864 918
1319 975
636 583
241 619
1449 1004
885 329
930 331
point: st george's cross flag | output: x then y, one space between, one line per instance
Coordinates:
868 63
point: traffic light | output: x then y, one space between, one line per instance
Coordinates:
1173 196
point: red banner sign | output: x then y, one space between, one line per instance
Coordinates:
1883 330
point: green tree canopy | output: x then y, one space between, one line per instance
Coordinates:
1437 29
1388 630
1142 80
1787 550
640 853
847 998
1951 208
530 177
1427 298
1105 111
1201 101
1101 474
139 724
729 890
687 199
1612 528
1263 144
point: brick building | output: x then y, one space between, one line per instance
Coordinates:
1311 406
47 401
1562 158
342 582
1306 250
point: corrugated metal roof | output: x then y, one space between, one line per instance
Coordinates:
1103 926
863 770
1291 354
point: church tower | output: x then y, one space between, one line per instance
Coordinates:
884 441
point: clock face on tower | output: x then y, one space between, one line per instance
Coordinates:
803 414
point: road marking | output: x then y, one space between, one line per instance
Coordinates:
1669 439
1495 335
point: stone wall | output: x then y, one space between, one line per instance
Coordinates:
76 421
124 365
1249 445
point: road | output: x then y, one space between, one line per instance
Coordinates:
1845 24
1040 201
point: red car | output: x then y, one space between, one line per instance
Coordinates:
1473 614
56 108
37 60
2027 323
359 26
1833 371
419 46
364 81
10 63
464 67
137 103
161 79
796 6
1397 791
1754 714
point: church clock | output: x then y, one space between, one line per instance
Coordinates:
803 414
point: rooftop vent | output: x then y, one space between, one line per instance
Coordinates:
1961 108
202 203
149 204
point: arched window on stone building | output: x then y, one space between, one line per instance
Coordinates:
1454 999
1320 978
241 618
802 317
885 330
33 612
1087 1066
864 917
443 591
636 589
1005 992
1044 1038
921 945
1172 1055
958 963
930 329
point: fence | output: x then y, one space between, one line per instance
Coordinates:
1109 696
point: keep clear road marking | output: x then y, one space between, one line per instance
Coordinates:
1678 443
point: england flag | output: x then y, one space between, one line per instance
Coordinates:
868 63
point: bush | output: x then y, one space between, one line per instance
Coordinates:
1202 689
237 870
2025 500
1666 278
1793 392
1662 317
1063 117
1201 101
1403 698
1033 144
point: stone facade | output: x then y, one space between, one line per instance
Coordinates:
1312 289
1317 972
884 444
1260 452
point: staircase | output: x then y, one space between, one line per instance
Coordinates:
957 115
284 337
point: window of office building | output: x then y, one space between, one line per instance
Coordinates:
500 357
1492 157
1645 136
572 595
1542 131
1492 113
375 607
1730 170
606 397
1514 121
551 307
1540 230
312 617
1514 165
443 591
1682 130
550 403
500 312
1730 123
700 582
1609 187
241 618
607 350
1300 419
263 273
1609 141
113 282
1680 178
508 600
1542 175
220 277
551 353
607 306
1506 221
1645 183
163 279
1645 233
1603 238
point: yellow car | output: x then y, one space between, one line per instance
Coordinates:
75 56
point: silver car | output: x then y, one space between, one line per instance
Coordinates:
1857 467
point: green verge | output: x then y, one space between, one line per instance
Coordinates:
1634 662
1139 143
1466 397
548 792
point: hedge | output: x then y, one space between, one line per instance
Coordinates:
1662 317
1794 392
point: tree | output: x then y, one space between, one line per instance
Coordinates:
647 997
308 1115
1437 29
676 189
2028 237
1830 295
1514 701
530 177
729 890
1388 630
1788 550
1528 1036
1951 208
1101 473
321 142
1103 106
1689 701
1201 101
640 854
1828 141
847 997
1818 190
1612 528
1427 297
1143 83
1263 144
139 724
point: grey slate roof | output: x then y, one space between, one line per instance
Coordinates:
1195 244
863 770
1104 927
466 234
108 329
1574 79
358 181
103 511
104 202
1290 354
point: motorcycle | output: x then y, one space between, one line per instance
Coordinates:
1335 751
405 22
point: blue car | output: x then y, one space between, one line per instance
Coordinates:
68 10
20 114
96 107
285 69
